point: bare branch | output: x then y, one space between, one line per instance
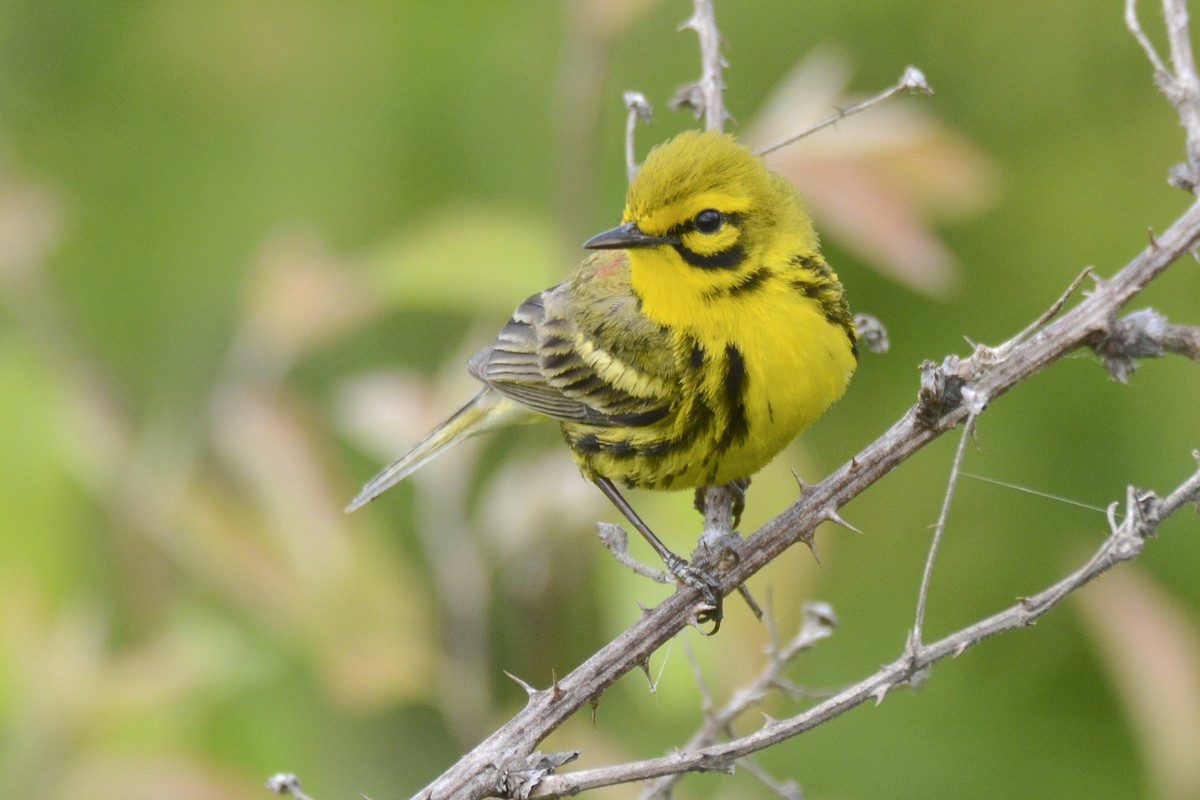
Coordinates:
1002 351
519 780
638 108
1178 83
616 539
787 790
707 96
1183 340
1135 27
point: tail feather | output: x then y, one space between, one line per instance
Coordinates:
488 409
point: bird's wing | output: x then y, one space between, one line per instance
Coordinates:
583 351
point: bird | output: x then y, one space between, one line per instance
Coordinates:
704 334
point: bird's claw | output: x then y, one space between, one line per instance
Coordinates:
700 579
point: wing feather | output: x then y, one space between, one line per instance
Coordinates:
583 352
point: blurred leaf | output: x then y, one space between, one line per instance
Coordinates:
387 411
126 776
299 296
535 499
610 18
359 611
1151 645
468 258
876 181
71 702
30 225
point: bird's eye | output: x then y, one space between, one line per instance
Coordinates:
709 221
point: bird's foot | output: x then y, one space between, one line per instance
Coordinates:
698 577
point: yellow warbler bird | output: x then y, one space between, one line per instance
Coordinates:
709 335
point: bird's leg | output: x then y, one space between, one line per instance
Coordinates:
736 492
722 508
685 573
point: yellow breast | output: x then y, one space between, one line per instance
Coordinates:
794 363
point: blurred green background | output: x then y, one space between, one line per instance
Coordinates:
246 248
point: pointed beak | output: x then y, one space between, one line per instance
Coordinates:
626 237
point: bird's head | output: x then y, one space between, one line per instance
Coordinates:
702 213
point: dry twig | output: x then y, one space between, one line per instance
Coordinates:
1180 85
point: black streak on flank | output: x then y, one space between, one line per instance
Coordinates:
735 392
621 447
835 310
587 443
833 307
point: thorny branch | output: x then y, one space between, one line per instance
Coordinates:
1144 511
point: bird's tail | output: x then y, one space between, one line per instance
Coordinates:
488 409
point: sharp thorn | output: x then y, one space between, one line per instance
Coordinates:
529 690
833 516
804 487
645 667
811 541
